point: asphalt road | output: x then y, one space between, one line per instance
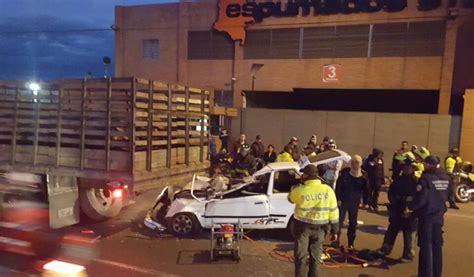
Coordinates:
127 248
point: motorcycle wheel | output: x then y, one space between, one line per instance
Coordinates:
461 194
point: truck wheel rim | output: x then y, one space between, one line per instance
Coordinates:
182 224
102 197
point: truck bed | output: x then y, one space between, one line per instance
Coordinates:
103 128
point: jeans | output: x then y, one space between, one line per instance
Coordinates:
408 227
374 193
352 208
451 198
430 241
309 242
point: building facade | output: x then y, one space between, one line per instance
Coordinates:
409 47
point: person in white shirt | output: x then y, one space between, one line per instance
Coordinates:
332 168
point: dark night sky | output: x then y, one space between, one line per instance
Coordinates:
53 39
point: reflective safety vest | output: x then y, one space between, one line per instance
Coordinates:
451 164
315 202
422 152
285 157
421 168
403 156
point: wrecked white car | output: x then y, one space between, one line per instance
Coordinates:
257 202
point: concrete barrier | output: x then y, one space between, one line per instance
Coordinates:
354 132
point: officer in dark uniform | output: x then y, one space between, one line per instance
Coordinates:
429 206
401 195
374 166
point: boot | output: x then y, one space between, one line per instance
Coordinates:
454 206
385 250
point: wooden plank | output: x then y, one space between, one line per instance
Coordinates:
201 141
159 142
195 90
15 125
186 138
187 99
109 123
58 127
153 134
133 121
36 135
192 141
83 124
150 126
170 122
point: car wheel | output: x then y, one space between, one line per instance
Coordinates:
461 193
185 224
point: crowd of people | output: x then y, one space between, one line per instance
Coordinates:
417 195
245 158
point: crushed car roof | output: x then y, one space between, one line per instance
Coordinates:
324 157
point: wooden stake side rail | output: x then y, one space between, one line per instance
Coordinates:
171 122
106 125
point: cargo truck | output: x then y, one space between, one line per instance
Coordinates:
92 143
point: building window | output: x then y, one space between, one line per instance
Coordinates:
349 41
352 41
224 98
319 42
388 40
408 39
272 44
336 42
151 49
209 45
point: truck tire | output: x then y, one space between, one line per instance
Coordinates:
98 204
460 193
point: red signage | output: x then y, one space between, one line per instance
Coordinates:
332 73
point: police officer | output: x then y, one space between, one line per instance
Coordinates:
420 154
429 206
399 158
315 211
295 149
452 164
453 161
244 164
286 154
374 166
401 195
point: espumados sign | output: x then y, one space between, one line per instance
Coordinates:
235 15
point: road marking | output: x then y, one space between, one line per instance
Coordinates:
135 268
461 215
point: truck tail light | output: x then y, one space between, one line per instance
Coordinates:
117 193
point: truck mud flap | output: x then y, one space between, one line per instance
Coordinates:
63 196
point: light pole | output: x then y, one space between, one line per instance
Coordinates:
253 72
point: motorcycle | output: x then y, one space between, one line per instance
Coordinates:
464 183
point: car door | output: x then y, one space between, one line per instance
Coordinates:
249 205
281 209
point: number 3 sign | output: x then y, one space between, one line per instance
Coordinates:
332 72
